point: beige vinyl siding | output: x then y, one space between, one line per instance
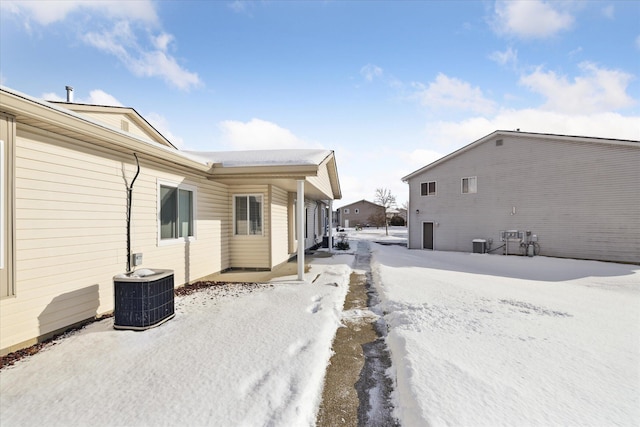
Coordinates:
71 232
322 181
251 251
581 199
115 120
192 259
279 226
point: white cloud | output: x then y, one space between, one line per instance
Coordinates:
238 6
370 72
508 57
530 18
96 97
143 62
161 124
52 96
100 97
420 157
258 134
597 90
452 135
149 58
49 11
452 93
609 12
162 41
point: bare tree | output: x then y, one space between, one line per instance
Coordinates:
384 198
377 219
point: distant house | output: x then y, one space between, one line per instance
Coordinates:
397 215
576 197
66 170
362 213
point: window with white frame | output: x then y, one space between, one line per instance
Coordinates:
247 214
346 210
428 188
356 211
469 185
176 211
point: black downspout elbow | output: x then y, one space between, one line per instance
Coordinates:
129 199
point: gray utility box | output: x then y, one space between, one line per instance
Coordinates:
479 246
143 299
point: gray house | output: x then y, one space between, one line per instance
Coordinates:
362 213
528 193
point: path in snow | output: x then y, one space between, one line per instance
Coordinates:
374 386
357 390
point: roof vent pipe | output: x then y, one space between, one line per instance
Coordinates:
69 93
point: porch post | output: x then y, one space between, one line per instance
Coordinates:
330 225
301 224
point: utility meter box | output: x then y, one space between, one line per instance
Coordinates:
136 259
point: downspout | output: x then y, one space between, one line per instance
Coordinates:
129 199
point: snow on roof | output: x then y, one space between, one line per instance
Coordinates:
263 157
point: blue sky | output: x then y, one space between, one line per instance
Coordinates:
390 86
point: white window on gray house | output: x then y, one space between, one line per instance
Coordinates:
247 215
428 188
346 210
177 211
469 185
356 211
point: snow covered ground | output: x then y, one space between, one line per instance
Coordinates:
488 340
475 340
228 358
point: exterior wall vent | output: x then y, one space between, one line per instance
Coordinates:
124 125
498 143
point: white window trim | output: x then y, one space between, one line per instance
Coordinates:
179 186
346 211
261 215
428 194
462 185
356 211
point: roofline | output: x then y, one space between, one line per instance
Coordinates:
359 201
89 130
14 102
137 115
592 139
333 174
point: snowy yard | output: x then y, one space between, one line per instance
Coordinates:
474 339
493 340
229 358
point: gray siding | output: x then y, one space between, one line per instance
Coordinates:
365 210
582 199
